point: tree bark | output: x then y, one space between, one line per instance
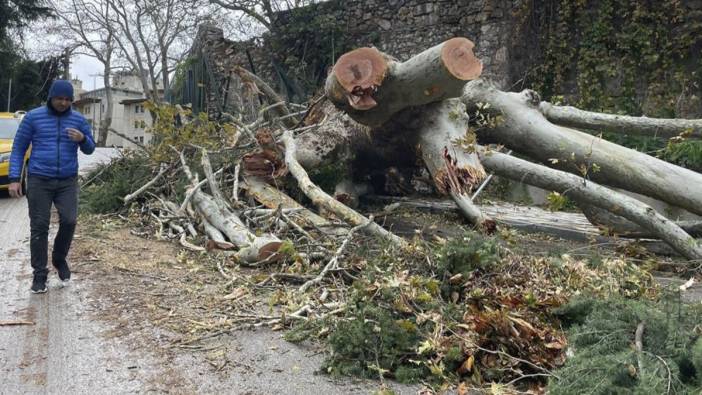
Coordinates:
591 193
371 86
616 224
322 199
455 172
523 128
272 198
333 141
106 123
252 248
642 126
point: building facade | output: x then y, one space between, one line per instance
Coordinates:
129 117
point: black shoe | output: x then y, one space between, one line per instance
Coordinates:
38 285
64 272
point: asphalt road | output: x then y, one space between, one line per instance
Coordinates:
55 343
55 348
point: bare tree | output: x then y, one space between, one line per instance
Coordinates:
149 34
88 23
262 11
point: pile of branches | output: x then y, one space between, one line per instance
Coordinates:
237 187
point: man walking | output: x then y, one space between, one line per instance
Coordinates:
55 133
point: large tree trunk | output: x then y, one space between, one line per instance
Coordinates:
333 141
455 172
371 86
588 192
523 128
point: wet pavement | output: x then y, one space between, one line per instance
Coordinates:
48 344
56 343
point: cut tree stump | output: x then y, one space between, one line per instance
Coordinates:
371 86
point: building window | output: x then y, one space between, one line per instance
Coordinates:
102 108
87 110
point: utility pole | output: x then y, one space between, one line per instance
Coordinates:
9 95
94 77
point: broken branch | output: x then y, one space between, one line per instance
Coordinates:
321 198
622 124
586 191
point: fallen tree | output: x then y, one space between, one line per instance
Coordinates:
385 123
246 190
384 95
525 129
590 193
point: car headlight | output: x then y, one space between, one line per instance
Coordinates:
5 157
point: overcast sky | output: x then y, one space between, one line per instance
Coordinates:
86 68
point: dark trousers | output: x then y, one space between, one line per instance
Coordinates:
41 194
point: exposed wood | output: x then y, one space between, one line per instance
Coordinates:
146 186
455 172
523 128
371 86
531 219
266 160
623 124
253 248
273 198
216 237
589 192
322 199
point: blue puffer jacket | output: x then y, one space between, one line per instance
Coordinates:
54 154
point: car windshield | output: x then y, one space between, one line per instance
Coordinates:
8 127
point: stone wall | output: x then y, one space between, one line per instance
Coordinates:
508 48
400 28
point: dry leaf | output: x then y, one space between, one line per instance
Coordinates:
467 365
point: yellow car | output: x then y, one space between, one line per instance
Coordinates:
9 122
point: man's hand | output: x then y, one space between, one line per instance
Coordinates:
15 189
75 135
